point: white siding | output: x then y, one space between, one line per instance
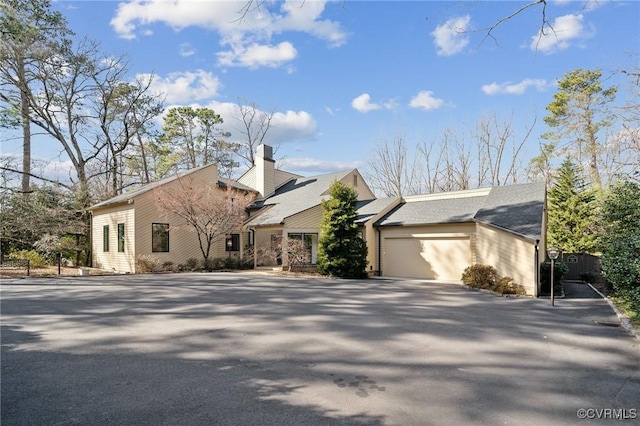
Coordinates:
249 178
114 260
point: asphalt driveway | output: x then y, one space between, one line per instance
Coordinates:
248 349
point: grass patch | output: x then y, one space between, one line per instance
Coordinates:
625 307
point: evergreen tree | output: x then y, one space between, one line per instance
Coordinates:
579 111
572 212
194 135
342 252
621 241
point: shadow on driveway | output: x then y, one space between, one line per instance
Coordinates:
238 349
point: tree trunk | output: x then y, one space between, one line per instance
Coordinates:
143 157
26 131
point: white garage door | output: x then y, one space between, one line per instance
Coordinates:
431 258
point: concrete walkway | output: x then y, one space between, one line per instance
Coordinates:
246 349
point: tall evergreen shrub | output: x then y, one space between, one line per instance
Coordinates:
341 251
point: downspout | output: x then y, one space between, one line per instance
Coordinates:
90 241
379 256
253 240
537 267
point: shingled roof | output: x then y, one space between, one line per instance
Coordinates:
368 208
515 208
124 198
295 196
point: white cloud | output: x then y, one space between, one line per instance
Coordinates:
180 87
310 166
585 5
256 56
560 34
288 126
425 100
514 89
291 126
449 38
363 103
186 50
247 33
134 16
305 16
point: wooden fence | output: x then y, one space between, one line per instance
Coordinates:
579 264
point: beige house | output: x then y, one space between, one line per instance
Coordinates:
430 237
290 205
130 225
436 236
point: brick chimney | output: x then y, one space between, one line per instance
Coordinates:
265 170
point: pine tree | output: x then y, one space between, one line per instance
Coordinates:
341 252
572 212
580 110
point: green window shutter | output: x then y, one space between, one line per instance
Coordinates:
105 238
121 237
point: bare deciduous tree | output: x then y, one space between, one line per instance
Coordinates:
392 171
254 126
451 162
498 151
626 142
124 112
209 211
297 252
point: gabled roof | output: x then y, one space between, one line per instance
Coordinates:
295 196
280 176
515 208
124 198
224 182
369 208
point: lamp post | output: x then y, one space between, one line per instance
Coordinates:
229 244
553 253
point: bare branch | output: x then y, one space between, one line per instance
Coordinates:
44 179
208 211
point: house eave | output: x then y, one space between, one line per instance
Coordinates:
106 205
534 239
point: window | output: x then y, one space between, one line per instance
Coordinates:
105 238
310 243
159 237
121 237
232 243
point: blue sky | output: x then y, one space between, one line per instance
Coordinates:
343 75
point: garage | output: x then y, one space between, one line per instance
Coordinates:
432 257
